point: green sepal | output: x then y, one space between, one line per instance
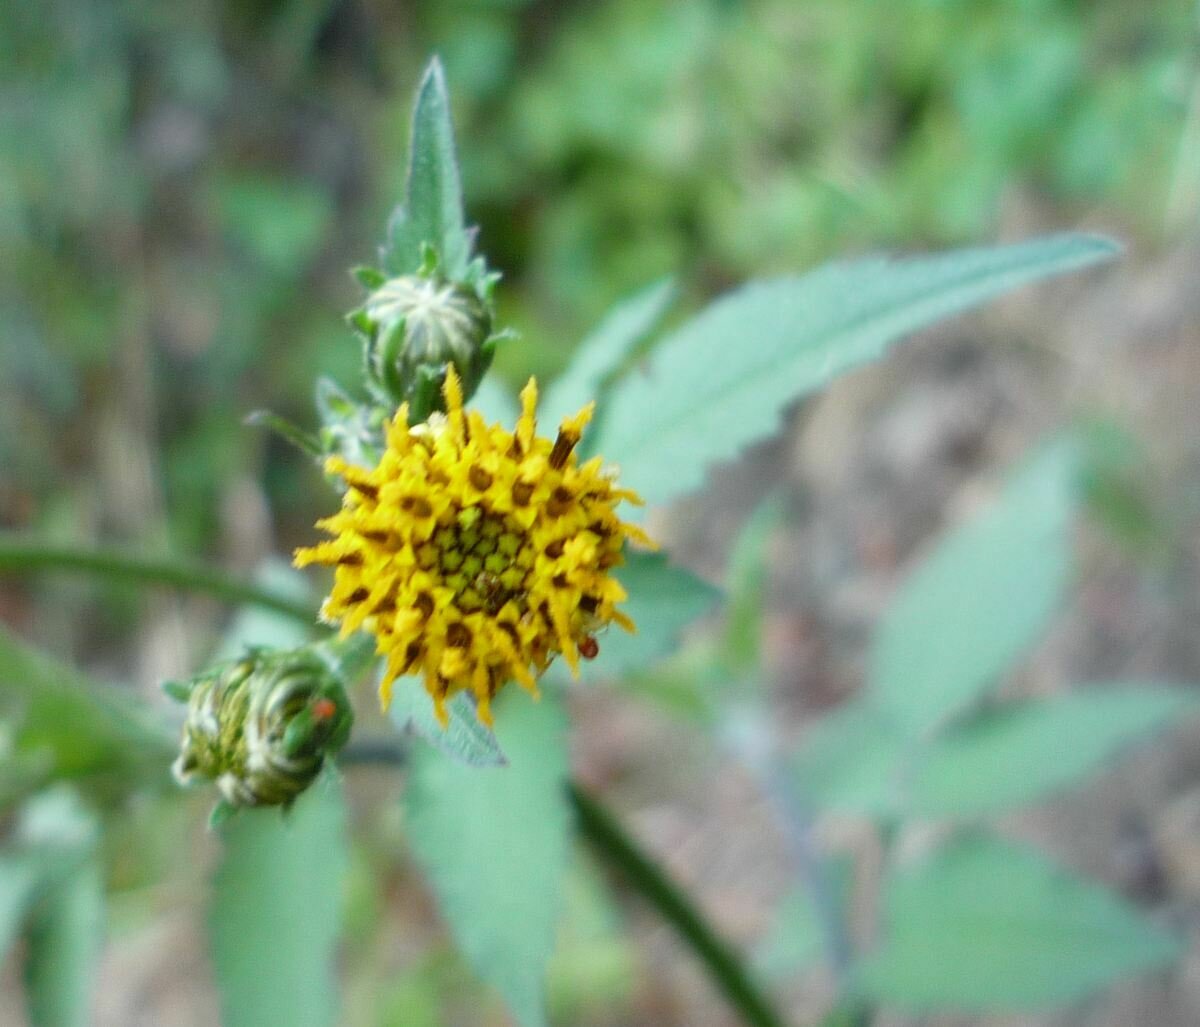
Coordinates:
221 813
368 277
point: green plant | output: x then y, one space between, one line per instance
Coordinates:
491 815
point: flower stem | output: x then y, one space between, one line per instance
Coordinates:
20 556
607 837
599 827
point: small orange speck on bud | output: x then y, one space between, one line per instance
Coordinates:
323 709
589 648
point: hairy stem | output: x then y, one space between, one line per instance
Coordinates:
20 556
616 847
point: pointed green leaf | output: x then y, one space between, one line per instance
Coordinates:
1024 752
984 925
63 948
432 212
601 354
464 738
983 597
275 914
494 844
720 381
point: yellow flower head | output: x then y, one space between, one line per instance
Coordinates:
473 554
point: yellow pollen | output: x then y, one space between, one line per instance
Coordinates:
475 555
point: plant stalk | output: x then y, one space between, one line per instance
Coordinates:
20 556
616 847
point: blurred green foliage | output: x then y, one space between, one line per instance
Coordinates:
181 186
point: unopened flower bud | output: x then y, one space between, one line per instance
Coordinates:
417 325
261 727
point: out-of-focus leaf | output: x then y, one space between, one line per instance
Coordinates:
795 940
432 212
663 600
720 381
20 874
494 400
254 626
980 600
746 581
983 925
464 738
601 353
275 914
1023 752
848 762
494 844
87 728
63 948
280 224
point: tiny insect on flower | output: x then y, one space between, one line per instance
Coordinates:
475 555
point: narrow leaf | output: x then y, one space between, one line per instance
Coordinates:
1024 752
432 212
984 925
720 381
64 943
602 352
983 597
494 844
275 913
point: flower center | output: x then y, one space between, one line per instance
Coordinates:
483 556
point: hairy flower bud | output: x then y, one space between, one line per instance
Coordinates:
261 727
417 325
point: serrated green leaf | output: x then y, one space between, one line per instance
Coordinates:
494 844
432 212
274 919
464 738
663 600
984 925
1023 752
601 353
720 381
847 762
63 948
980 600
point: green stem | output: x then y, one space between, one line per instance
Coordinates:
599 827
607 837
22 556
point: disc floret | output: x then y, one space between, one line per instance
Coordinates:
475 555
